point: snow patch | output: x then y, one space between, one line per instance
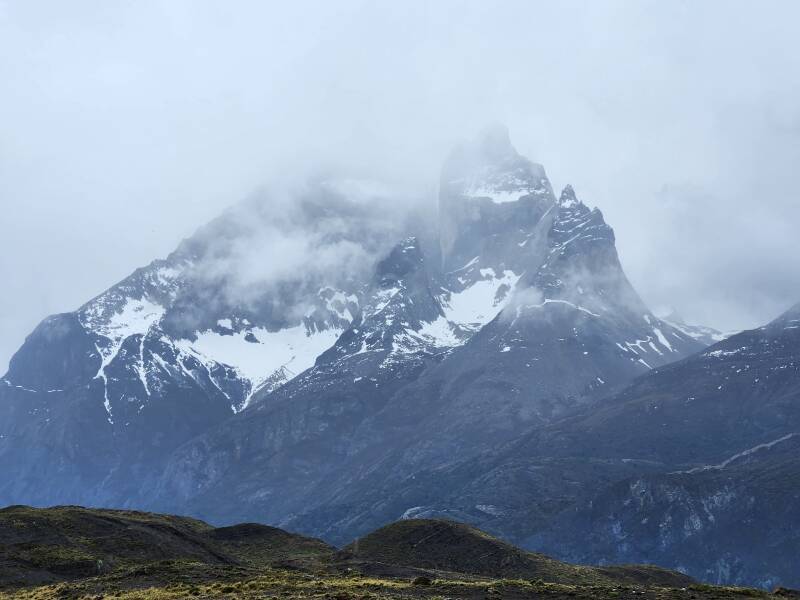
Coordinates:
136 316
290 351
552 301
743 454
490 509
479 303
411 512
498 196
662 338
384 297
441 333
719 353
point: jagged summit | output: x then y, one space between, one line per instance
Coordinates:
490 167
494 142
490 195
315 396
568 198
402 259
491 145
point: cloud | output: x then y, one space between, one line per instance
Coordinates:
289 240
113 149
521 299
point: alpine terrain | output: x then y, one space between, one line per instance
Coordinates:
496 368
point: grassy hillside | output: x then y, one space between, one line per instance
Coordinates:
70 542
460 548
73 552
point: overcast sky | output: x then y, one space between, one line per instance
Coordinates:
126 125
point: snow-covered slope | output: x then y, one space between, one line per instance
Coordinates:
186 341
236 354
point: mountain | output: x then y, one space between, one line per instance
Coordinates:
731 396
330 364
96 398
723 426
526 317
290 443
573 329
692 466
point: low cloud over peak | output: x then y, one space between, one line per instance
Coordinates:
114 149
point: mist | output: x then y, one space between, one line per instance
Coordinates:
124 127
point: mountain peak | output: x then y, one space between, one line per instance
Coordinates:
404 258
489 152
495 142
568 198
482 183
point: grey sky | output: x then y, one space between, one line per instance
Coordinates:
126 125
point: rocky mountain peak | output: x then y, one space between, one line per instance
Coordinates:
494 142
568 198
490 167
333 368
403 259
489 196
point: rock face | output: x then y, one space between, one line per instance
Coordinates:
723 426
525 317
735 521
693 467
96 399
499 369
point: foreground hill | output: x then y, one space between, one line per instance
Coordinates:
64 543
448 546
73 552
